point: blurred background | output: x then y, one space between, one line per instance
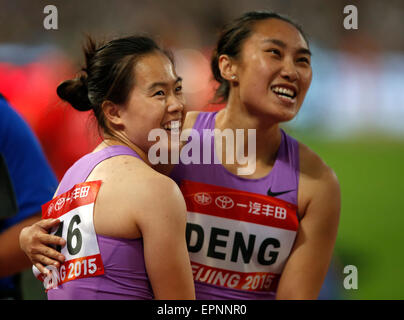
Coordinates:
353 114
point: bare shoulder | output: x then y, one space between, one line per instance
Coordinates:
318 181
159 192
136 195
160 202
313 167
130 183
128 178
119 171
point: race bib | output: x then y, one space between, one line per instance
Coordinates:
75 210
237 239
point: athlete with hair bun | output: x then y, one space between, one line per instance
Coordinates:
269 234
119 240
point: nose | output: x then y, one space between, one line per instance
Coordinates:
289 71
175 105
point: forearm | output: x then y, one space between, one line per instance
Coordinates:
303 284
12 259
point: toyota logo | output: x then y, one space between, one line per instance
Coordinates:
59 204
224 202
203 198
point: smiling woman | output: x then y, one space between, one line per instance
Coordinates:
276 236
272 56
131 85
117 102
155 102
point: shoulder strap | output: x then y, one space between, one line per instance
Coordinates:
205 120
285 173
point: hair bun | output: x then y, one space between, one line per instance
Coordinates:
75 92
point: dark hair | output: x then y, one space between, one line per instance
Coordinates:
231 39
107 74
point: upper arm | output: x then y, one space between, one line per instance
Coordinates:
308 263
162 224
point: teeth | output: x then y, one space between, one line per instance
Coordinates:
173 125
289 98
284 91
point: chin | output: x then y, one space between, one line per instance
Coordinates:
285 113
278 115
288 116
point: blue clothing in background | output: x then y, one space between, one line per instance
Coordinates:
32 179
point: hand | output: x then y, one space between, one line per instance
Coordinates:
35 241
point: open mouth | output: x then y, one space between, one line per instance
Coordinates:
172 126
286 94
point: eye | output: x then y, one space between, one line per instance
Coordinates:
274 51
178 89
159 93
304 60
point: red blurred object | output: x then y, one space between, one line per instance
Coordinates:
65 134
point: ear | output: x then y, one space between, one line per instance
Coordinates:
228 68
112 112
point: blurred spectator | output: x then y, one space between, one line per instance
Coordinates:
31 183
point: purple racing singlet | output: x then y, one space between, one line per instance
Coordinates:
125 274
240 231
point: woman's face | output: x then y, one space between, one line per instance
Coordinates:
155 102
274 71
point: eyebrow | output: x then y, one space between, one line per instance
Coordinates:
282 44
154 85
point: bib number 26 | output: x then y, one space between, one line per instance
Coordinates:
75 210
77 266
74 239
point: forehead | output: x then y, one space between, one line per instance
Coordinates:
154 67
277 29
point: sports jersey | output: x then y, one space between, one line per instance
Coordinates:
31 177
124 275
240 231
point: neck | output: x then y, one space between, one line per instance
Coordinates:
268 135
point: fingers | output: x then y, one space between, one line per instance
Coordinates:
44 261
44 249
50 253
35 241
41 269
48 224
50 239
42 233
